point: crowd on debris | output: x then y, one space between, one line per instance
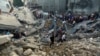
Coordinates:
69 17
55 40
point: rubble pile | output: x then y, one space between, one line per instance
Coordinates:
24 14
31 47
74 48
82 39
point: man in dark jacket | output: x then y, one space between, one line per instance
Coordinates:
52 39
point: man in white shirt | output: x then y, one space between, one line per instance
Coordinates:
63 37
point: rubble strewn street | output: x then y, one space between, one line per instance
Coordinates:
29 30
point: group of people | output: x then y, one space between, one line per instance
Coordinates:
72 19
69 17
77 18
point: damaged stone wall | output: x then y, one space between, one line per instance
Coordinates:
52 5
90 7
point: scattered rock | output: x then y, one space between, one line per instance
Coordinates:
19 42
32 46
27 52
13 54
19 51
31 40
43 53
5 38
33 54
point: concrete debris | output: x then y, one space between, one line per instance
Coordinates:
5 6
5 38
9 22
35 27
31 40
28 45
25 15
19 42
38 27
19 51
27 52
13 54
43 53
74 47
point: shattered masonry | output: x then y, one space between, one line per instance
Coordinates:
83 39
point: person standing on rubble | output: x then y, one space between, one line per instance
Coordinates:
52 39
60 35
64 37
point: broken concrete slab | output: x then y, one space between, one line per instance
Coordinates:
34 29
27 52
8 21
24 14
13 54
31 40
5 38
19 51
32 46
31 31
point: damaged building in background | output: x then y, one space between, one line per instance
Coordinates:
26 28
50 5
20 19
84 6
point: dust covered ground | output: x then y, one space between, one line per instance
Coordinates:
30 47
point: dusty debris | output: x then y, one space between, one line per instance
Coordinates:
72 47
19 51
13 54
28 45
5 38
27 52
83 39
9 22
24 14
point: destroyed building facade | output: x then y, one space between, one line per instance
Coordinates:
36 27
51 5
85 6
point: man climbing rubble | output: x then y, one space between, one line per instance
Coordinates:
52 36
59 33
52 39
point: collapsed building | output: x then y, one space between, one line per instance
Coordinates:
20 18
